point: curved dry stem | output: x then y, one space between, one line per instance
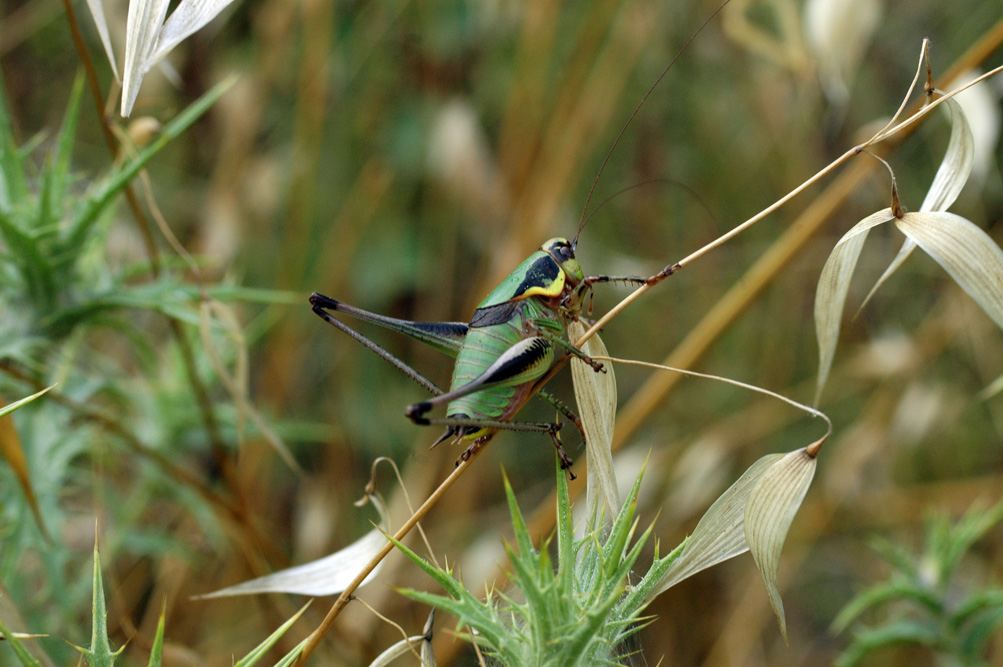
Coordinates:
392 624
346 596
371 486
881 136
736 383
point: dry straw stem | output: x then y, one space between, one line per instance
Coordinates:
734 302
318 634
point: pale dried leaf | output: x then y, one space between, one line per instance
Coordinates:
833 286
995 387
188 18
965 251
12 452
595 394
947 184
428 655
981 104
401 648
903 254
769 511
957 163
96 8
145 19
720 535
837 33
325 576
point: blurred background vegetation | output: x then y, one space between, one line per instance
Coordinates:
404 157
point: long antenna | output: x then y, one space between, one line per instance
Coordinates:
602 167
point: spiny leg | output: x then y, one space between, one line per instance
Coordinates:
563 409
586 285
551 429
636 280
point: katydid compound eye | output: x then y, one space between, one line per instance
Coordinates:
561 250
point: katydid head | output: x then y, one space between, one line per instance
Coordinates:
575 287
563 253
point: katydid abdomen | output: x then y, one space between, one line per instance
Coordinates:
483 347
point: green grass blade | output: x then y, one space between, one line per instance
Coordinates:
261 649
97 202
13 183
157 650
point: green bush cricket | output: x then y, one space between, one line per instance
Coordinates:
510 347
505 353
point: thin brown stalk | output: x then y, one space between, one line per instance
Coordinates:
347 595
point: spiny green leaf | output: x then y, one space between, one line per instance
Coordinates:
522 538
55 176
981 630
565 535
896 634
13 184
99 654
878 596
588 630
976 604
448 582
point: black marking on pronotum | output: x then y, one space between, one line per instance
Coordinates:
541 273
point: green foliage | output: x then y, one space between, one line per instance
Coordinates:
81 315
577 610
20 651
99 653
926 603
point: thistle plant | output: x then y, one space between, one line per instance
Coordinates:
926 603
577 610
